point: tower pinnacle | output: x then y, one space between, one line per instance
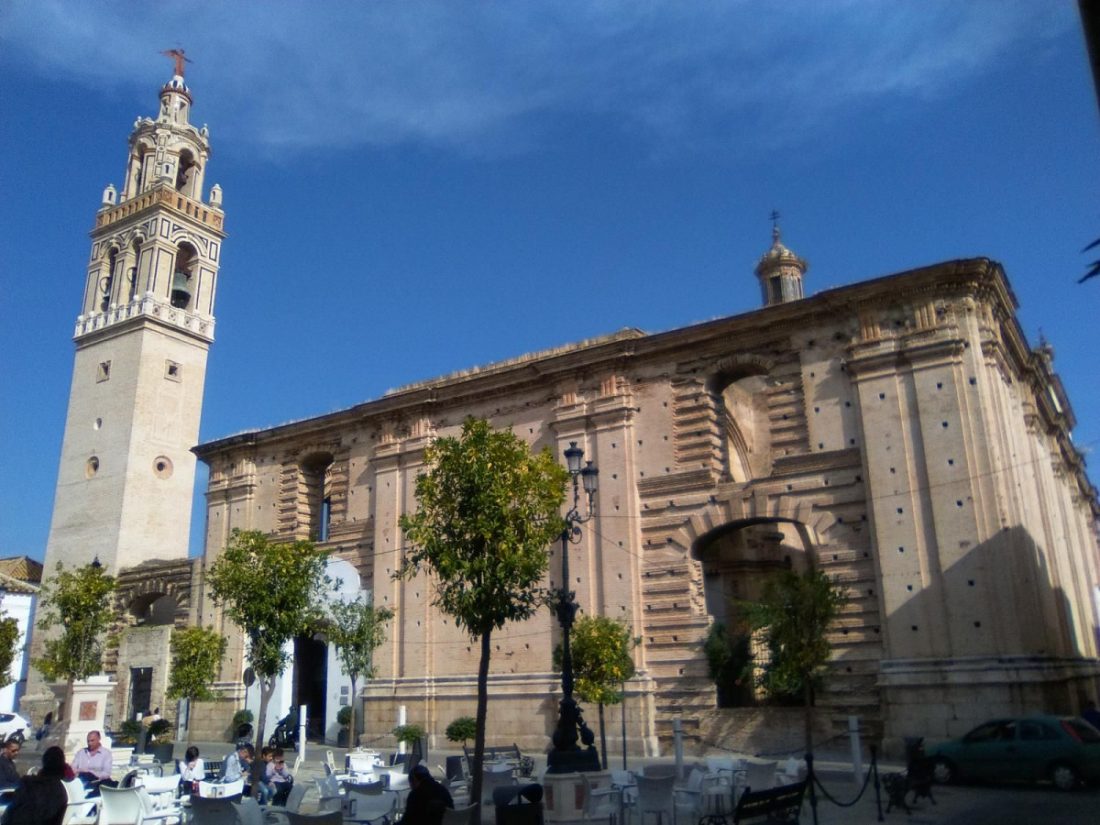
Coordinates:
779 270
180 59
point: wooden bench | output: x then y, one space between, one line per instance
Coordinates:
501 753
781 804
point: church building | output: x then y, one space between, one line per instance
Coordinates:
899 434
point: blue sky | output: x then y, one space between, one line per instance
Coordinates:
413 188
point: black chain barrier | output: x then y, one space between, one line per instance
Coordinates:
814 782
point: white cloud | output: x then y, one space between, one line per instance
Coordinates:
487 77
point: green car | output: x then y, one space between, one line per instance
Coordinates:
1062 749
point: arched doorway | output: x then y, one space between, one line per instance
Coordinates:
310 680
737 559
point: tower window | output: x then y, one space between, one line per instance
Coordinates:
162 466
182 282
326 518
173 371
775 288
103 371
91 467
106 282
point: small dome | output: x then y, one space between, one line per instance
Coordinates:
176 84
778 256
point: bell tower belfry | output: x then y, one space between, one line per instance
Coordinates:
146 322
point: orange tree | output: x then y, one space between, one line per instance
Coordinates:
487 508
273 593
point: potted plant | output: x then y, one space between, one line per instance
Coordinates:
241 727
343 719
127 734
461 729
160 742
411 736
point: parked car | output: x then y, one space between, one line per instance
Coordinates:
12 724
1062 749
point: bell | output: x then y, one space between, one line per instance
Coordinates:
181 290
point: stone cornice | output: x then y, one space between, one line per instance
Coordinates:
147 308
161 196
977 277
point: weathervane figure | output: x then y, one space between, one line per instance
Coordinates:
180 58
775 224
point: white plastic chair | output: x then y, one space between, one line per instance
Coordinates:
79 811
365 806
163 790
602 800
690 798
628 788
655 795
759 776
120 806
724 768
491 779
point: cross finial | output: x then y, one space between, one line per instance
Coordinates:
179 57
775 224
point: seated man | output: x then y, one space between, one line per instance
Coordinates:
9 773
426 800
237 764
93 764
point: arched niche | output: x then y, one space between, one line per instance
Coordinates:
153 609
315 494
737 559
739 386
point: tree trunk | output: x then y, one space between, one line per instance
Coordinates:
808 721
267 687
603 739
479 735
353 740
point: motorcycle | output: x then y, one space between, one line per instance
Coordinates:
286 733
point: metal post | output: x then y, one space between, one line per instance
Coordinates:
678 739
302 711
402 720
857 750
624 725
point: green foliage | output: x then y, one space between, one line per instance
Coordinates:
161 730
197 654
461 729
487 509
794 614
128 733
9 648
356 629
600 648
273 592
79 604
343 716
409 734
242 717
729 665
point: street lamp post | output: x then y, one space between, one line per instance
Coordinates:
567 756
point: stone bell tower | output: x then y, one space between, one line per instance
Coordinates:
146 322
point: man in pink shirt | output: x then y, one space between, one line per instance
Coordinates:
93 763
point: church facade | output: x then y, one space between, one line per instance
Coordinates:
899 434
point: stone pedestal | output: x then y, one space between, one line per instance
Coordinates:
86 711
563 795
